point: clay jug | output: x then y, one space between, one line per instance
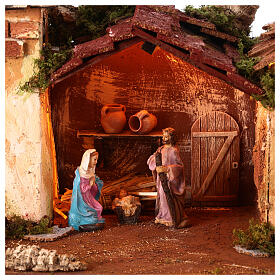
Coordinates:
113 118
143 122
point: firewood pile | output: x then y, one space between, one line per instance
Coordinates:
62 207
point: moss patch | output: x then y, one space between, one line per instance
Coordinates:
16 227
258 236
44 67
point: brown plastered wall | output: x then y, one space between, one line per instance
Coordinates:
176 92
28 190
264 162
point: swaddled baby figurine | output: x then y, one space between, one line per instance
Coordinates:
128 203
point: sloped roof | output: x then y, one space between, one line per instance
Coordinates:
265 49
194 41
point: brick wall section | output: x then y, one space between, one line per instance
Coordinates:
24 30
15 33
13 48
6 29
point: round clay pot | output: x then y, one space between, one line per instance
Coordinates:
113 118
143 122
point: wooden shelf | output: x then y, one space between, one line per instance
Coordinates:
126 133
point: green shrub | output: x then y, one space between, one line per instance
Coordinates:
225 22
268 84
41 227
16 227
90 21
44 67
93 20
213 14
258 236
245 64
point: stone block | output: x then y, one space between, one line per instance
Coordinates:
24 30
13 48
254 253
27 258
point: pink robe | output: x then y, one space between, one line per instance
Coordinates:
89 193
176 183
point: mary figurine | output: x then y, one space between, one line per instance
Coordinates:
85 212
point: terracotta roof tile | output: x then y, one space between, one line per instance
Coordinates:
262 48
156 21
231 52
268 34
97 46
67 67
216 59
243 84
163 8
184 41
202 23
161 26
265 49
269 26
120 31
265 61
220 35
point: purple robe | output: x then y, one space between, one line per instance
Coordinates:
88 193
176 183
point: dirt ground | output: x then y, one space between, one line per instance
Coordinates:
147 248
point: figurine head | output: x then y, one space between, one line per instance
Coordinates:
93 159
169 136
122 193
89 159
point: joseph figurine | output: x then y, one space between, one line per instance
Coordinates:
170 210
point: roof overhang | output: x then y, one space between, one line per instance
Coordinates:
171 30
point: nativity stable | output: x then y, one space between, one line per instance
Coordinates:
178 68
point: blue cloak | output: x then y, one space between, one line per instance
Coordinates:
81 213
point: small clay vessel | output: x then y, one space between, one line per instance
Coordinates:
113 118
143 122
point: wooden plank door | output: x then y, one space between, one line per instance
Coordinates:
215 160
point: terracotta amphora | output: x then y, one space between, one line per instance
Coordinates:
113 118
143 122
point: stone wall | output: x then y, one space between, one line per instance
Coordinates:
264 163
29 176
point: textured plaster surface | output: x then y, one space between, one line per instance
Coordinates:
264 163
28 190
23 155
